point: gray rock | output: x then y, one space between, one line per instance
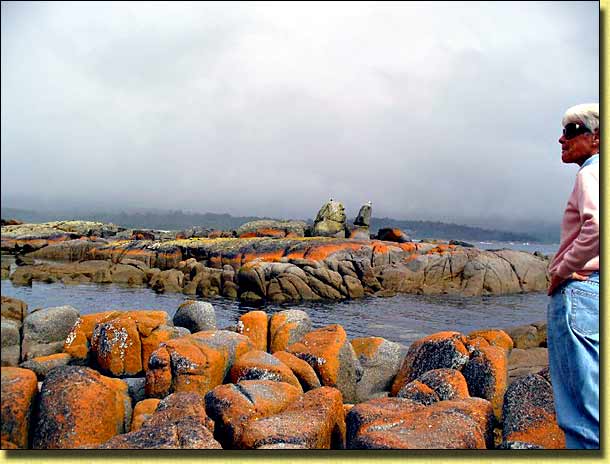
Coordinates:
42 367
135 388
330 220
379 366
195 316
364 216
523 362
45 330
11 343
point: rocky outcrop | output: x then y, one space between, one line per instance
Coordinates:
272 228
280 270
29 237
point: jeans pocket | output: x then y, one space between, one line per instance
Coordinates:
584 311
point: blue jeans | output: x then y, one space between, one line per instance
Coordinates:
573 343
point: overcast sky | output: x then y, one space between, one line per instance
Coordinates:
432 111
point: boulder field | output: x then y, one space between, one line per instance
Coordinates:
136 380
281 268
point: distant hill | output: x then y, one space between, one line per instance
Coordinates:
179 220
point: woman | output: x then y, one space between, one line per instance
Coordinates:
573 312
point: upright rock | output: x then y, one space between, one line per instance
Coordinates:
364 216
331 220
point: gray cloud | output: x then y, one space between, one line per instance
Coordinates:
432 111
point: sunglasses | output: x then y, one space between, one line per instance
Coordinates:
573 129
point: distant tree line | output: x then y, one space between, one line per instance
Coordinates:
180 220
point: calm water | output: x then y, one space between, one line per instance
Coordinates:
402 318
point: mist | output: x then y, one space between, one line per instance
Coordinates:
433 111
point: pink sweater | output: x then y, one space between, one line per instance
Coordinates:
579 247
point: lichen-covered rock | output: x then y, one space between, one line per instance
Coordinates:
178 406
116 346
494 337
41 366
272 228
487 375
316 421
380 360
255 325
260 365
448 384
13 309
332 356
529 415
397 423
232 406
142 411
78 341
19 387
194 363
185 434
80 408
287 327
440 350
301 369
523 362
45 330
11 342
418 392
195 316
392 235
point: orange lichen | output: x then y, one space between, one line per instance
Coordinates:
323 345
254 325
367 346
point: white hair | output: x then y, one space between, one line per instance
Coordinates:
587 114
